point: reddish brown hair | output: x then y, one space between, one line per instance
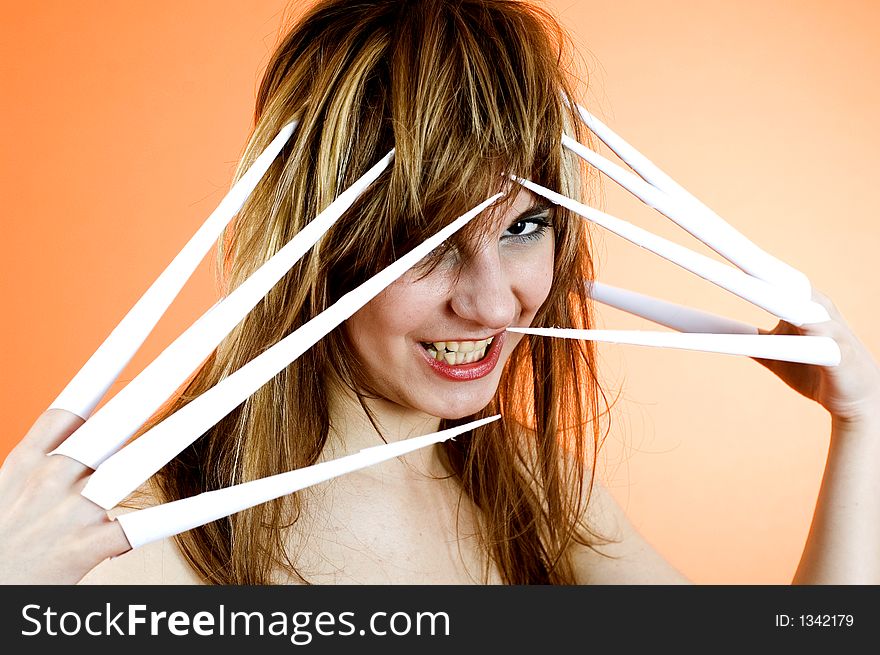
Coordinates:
465 90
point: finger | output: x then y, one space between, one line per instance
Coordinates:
110 540
28 465
51 428
67 559
828 304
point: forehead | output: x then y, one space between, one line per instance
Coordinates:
523 201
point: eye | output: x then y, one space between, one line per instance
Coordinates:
526 229
523 228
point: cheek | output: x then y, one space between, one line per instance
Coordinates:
534 279
390 317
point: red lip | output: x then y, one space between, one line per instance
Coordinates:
473 371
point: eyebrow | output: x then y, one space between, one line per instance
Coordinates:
539 207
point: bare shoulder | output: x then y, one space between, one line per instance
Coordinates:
619 554
626 558
157 563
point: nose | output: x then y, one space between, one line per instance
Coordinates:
483 293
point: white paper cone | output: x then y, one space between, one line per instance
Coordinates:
662 312
711 229
128 468
112 426
822 351
83 393
146 525
773 299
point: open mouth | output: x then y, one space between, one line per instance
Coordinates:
455 353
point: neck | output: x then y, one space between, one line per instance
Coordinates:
351 429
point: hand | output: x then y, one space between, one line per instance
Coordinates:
849 391
49 533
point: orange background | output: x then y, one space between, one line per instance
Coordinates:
122 123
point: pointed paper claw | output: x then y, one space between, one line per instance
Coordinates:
706 225
662 312
771 298
83 393
822 351
105 432
123 472
147 525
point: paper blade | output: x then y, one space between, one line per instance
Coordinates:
146 525
108 429
85 390
718 233
128 468
822 351
769 297
672 315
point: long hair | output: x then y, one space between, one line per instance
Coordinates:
466 91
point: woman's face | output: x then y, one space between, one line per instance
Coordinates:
436 344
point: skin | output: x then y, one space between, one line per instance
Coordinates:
402 521
396 522
843 546
469 296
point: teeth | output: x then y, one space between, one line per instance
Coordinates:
458 352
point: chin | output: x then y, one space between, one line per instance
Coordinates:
458 410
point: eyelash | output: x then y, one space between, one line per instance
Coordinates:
542 221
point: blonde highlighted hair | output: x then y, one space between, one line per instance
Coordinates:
466 91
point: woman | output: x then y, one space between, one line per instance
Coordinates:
466 91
